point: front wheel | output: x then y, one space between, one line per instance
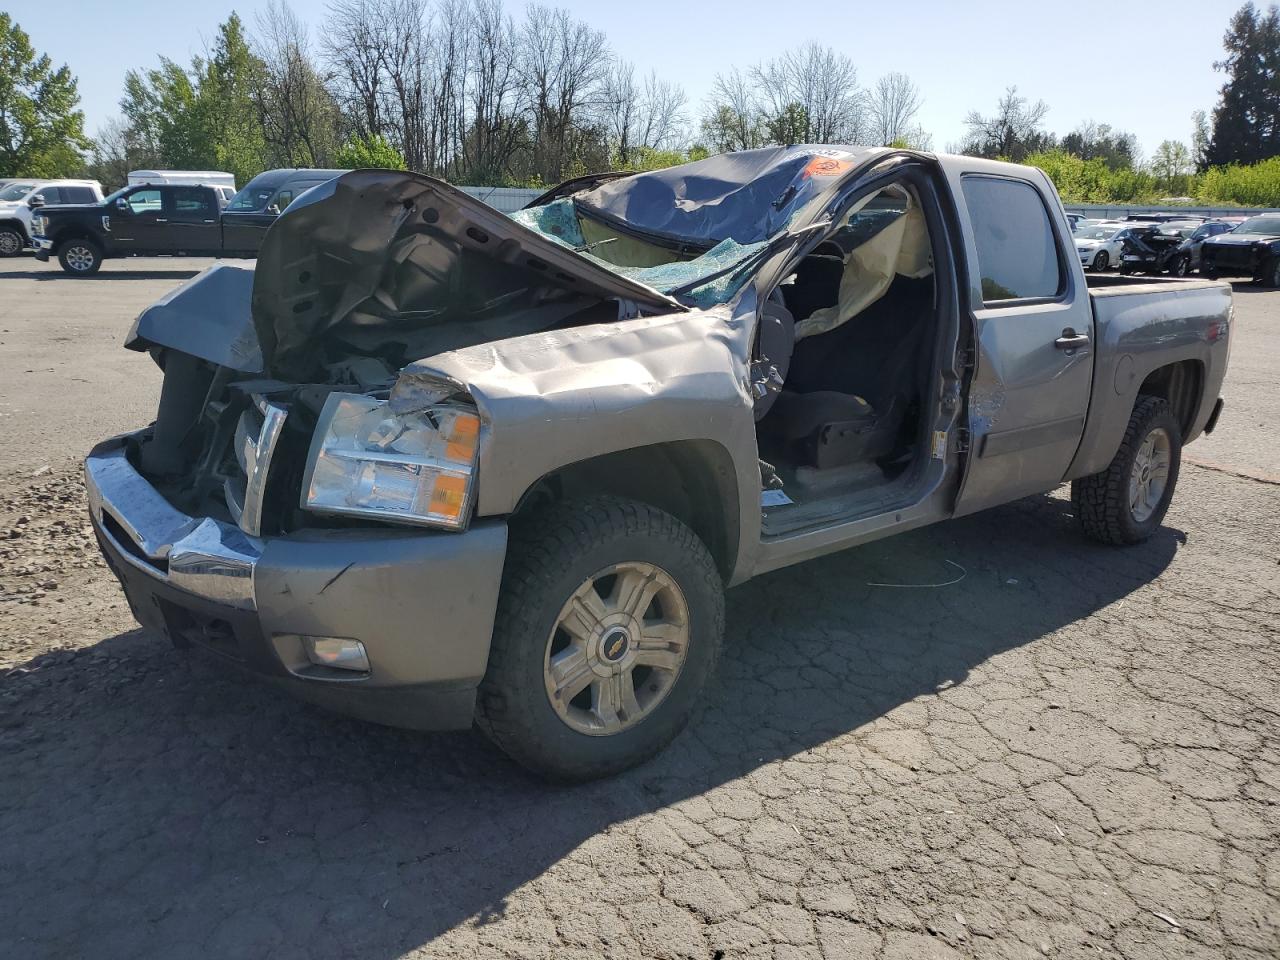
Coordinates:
1101 261
608 626
11 241
1182 268
1209 271
80 258
1125 269
1271 273
1126 502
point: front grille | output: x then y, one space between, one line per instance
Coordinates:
257 432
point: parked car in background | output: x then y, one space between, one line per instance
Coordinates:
20 198
264 198
1186 259
1149 248
1250 250
1099 245
172 220
144 220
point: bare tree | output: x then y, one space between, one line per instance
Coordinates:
300 117
813 94
646 116
353 44
563 66
1012 132
495 129
892 107
733 120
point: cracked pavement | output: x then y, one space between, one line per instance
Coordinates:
1073 752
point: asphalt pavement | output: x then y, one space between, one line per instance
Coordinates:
1073 752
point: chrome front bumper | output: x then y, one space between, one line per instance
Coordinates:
421 602
198 555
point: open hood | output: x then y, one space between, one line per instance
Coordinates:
380 253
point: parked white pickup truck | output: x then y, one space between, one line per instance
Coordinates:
432 465
19 198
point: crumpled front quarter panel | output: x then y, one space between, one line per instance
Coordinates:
554 399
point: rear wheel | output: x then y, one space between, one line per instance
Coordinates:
11 241
1101 261
1209 270
608 627
1271 273
80 258
1126 502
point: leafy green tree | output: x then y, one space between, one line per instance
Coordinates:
41 131
1171 164
226 112
1246 121
374 152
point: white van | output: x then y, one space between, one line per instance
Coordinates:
192 178
19 195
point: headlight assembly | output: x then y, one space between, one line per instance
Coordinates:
414 468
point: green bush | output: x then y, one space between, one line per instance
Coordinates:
364 153
1255 185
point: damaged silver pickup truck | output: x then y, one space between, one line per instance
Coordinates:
430 465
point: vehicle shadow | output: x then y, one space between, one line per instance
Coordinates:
106 273
155 805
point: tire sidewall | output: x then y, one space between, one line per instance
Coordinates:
1158 417
559 749
1101 261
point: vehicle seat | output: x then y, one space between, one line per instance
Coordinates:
848 391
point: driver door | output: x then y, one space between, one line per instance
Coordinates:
138 223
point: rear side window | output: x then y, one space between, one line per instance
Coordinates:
1017 253
192 202
78 195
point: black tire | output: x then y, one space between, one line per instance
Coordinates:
1101 261
1271 273
1182 266
1101 501
1209 271
1125 269
12 241
80 257
550 556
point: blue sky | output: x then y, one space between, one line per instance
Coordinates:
1140 66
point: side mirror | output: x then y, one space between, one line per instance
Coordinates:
36 201
274 209
122 204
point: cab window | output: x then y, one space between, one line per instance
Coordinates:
145 201
1017 251
193 203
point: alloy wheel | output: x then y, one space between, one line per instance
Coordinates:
80 258
617 647
1149 474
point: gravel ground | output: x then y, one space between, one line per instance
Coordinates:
1072 753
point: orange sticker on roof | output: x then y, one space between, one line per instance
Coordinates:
826 167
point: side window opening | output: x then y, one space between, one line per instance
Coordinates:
1018 254
843 357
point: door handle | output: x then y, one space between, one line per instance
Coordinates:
1070 340
161 220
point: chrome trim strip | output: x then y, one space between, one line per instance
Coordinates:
254 455
205 557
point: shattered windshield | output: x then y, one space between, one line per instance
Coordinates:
661 268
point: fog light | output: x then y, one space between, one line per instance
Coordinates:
337 652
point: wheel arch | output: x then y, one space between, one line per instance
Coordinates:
15 222
1181 385
693 480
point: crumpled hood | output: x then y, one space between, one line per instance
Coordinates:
381 248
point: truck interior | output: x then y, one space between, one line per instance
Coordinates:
845 362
